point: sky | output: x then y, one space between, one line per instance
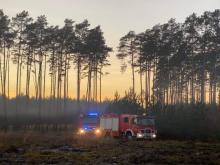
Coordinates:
116 18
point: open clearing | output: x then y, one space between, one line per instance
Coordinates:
65 148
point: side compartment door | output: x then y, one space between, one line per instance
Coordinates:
115 124
109 124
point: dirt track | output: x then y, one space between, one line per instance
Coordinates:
62 148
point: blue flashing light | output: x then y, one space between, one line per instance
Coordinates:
93 114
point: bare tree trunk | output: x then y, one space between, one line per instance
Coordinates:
28 74
67 81
78 84
55 84
202 86
40 86
154 78
96 83
210 91
17 85
8 58
51 85
133 79
214 86
45 68
64 81
89 83
186 93
146 89
78 78
192 87
149 83
2 88
20 76
214 92
171 93
4 72
100 85
35 81
141 85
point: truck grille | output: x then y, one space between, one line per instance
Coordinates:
146 131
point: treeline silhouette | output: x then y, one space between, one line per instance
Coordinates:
180 62
188 121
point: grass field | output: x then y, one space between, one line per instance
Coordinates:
66 148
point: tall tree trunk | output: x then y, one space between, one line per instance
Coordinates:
4 87
96 86
141 86
17 86
67 77
20 76
100 85
35 79
64 81
192 87
45 68
8 58
214 92
186 93
210 91
1 76
89 82
146 90
149 83
51 85
202 96
78 83
133 79
40 88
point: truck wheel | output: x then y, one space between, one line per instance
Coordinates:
129 136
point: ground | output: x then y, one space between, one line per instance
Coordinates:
67 148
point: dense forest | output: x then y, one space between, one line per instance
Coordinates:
177 64
39 52
180 62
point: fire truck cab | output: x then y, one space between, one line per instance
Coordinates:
130 126
89 124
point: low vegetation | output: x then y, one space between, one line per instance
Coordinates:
59 148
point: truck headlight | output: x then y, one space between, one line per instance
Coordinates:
81 131
154 136
139 135
97 131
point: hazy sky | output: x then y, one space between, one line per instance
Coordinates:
116 18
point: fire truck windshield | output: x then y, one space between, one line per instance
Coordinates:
144 121
89 120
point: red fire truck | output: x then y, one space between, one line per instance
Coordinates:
126 125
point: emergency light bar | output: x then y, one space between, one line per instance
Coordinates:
93 114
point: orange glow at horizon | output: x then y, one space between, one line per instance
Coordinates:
112 82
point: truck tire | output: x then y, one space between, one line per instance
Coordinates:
129 135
